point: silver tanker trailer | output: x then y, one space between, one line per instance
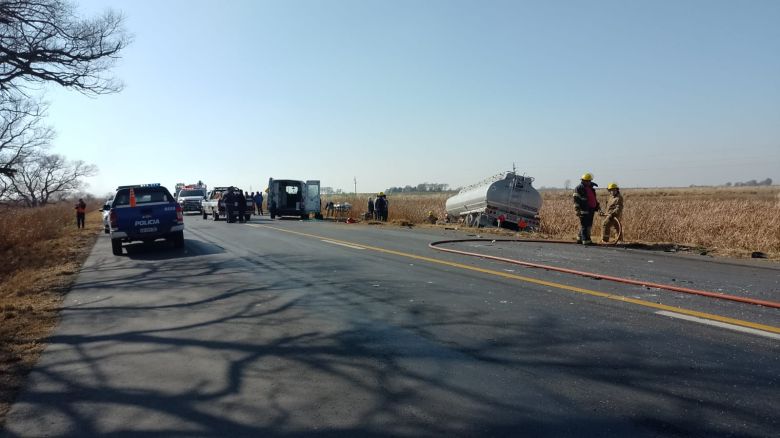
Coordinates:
507 197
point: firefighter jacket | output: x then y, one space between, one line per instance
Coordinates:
581 202
615 205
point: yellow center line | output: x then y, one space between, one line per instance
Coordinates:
579 290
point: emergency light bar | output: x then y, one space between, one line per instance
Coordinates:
138 185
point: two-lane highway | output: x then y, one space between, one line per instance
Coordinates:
277 328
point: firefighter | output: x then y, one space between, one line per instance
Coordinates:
241 199
229 199
370 213
586 204
81 211
613 213
431 219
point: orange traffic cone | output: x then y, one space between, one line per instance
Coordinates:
132 198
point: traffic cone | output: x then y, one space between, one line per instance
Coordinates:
132 198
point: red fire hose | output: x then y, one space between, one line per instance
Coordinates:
435 245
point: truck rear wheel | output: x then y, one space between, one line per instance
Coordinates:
116 246
247 217
204 214
215 216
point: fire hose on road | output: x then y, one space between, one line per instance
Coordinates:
747 300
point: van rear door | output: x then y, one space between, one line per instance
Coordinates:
312 196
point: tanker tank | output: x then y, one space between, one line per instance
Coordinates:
507 198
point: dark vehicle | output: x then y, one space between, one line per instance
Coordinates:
145 212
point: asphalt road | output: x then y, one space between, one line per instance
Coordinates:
279 328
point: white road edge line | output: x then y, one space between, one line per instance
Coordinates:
724 325
343 244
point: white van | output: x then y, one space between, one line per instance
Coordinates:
290 197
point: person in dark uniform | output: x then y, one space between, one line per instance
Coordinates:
259 203
380 207
229 198
370 207
241 199
81 212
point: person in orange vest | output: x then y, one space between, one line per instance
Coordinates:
81 211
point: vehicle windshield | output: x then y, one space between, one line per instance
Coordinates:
143 195
191 193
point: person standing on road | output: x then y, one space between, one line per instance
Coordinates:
81 212
241 199
585 205
259 202
229 199
613 213
370 207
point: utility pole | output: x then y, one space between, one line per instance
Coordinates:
354 178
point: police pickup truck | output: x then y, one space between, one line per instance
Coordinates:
145 212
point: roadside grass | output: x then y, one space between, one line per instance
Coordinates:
41 251
726 221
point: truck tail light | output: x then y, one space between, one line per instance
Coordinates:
179 214
113 219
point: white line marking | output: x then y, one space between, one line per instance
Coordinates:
343 244
724 325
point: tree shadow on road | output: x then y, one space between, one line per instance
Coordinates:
213 349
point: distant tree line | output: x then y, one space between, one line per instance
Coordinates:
422 187
751 183
45 42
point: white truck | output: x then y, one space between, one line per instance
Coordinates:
190 197
290 197
506 199
213 206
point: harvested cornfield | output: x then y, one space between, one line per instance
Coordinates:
729 221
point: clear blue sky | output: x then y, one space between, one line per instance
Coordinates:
645 93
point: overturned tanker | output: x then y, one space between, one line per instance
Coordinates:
506 199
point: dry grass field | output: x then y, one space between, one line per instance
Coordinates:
724 221
41 251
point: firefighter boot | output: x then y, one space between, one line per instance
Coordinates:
586 236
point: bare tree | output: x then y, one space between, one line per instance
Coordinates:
44 41
22 132
44 178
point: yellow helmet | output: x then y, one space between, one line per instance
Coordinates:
381 194
612 186
587 177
